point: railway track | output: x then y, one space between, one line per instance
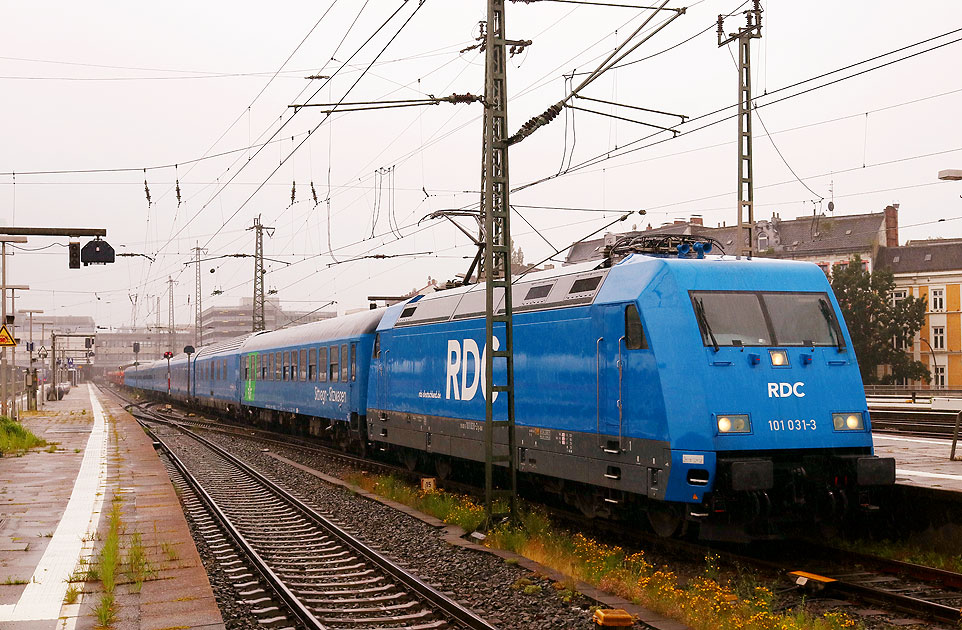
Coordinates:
324 576
932 594
929 593
920 423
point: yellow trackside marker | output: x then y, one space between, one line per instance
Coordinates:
6 339
613 618
813 576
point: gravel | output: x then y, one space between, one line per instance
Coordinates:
480 581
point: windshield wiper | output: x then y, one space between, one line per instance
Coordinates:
832 323
703 320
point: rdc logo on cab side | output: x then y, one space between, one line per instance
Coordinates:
786 390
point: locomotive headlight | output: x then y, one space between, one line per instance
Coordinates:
734 423
779 358
848 421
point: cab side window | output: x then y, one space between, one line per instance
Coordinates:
634 333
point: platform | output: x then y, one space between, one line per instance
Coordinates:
54 504
922 462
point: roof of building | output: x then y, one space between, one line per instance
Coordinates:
936 255
804 236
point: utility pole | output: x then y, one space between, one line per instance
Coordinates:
746 191
497 265
32 371
198 324
170 313
258 320
4 406
13 350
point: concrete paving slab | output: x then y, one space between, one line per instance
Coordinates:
921 462
36 491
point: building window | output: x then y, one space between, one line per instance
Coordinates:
763 241
938 299
938 337
898 295
938 377
826 268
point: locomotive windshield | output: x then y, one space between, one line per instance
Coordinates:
742 318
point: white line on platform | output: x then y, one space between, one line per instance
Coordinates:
876 436
43 596
919 473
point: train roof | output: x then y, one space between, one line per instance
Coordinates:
572 285
228 346
343 327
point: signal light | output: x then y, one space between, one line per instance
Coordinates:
168 355
73 254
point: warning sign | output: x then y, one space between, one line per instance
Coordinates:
6 339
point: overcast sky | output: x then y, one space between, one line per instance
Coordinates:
101 91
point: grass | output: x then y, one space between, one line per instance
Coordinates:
14 438
705 602
105 611
934 553
13 580
72 594
170 551
108 563
136 566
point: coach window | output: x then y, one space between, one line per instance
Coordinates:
334 369
344 365
353 361
303 364
270 367
224 373
322 365
634 333
293 367
278 366
247 368
287 363
263 362
312 364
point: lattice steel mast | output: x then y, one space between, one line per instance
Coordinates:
497 266
198 324
746 190
170 314
258 320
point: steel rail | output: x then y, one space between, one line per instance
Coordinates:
455 611
277 585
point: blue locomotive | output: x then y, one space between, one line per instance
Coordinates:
701 389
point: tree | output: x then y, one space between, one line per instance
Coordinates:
879 325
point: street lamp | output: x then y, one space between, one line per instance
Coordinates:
935 364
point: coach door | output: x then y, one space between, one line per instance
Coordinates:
378 359
608 339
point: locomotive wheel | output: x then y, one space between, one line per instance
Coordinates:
410 460
665 518
442 468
